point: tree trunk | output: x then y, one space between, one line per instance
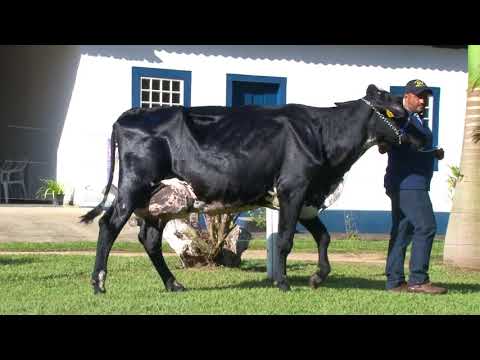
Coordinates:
223 225
462 241
197 248
224 242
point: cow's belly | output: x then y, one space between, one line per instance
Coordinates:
233 177
174 198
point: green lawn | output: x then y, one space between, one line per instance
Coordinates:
59 284
302 243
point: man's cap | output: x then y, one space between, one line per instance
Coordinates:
417 87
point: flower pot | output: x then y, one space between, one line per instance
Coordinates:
58 199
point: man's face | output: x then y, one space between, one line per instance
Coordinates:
416 103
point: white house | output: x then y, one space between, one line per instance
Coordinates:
62 100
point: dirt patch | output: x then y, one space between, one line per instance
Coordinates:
376 258
372 258
79 252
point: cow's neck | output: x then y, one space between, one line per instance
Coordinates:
354 128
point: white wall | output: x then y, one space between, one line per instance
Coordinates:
316 75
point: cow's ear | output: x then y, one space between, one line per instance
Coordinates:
371 90
345 102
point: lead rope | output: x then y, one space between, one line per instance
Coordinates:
397 132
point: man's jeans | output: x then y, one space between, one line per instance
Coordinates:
412 221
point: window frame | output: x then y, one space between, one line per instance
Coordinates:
280 81
162 74
434 121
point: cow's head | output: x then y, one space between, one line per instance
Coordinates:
390 118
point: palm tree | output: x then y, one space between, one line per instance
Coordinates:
462 242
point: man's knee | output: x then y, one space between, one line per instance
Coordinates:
427 229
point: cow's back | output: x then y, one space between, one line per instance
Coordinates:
226 154
233 154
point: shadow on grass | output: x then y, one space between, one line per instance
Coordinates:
333 282
261 267
16 261
73 276
337 282
461 288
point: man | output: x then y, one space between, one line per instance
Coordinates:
407 182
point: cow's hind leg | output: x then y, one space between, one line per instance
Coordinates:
110 226
322 238
151 238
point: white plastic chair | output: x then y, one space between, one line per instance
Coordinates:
13 173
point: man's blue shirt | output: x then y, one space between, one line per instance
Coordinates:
409 169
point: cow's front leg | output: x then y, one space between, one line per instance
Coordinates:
322 238
291 200
151 238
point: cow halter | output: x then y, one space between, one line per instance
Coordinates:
397 132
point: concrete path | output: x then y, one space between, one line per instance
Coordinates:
48 223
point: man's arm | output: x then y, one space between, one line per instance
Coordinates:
384 147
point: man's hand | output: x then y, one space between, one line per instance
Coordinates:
383 148
439 154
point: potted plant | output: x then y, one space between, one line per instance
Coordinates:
50 186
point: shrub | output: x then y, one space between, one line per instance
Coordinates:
258 216
50 186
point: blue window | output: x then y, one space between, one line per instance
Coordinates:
256 90
160 87
431 113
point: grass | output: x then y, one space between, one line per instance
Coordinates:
302 243
69 246
59 284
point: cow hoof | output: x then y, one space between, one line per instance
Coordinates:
175 286
283 285
98 283
317 279
97 290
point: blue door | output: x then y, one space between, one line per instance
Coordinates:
255 90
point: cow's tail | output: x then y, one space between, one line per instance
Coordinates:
97 210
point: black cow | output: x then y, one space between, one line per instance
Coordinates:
236 157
